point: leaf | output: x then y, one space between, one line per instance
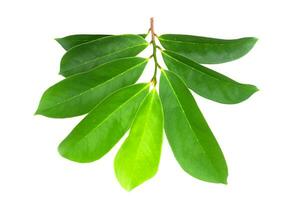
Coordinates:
78 94
138 158
206 82
88 55
191 140
102 128
71 41
205 50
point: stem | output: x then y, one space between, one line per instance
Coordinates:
153 35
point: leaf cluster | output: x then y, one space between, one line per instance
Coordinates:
101 74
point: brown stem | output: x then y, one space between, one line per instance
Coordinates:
154 49
152 29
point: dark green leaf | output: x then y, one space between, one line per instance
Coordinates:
138 158
206 82
207 50
88 55
71 41
191 139
102 128
78 94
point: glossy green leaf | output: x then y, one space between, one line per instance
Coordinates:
207 50
191 139
206 82
71 41
78 94
102 128
88 55
138 158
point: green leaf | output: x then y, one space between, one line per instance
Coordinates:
88 55
71 41
138 158
103 127
207 50
191 139
206 82
78 94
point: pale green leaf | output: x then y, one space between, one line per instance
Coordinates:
138 158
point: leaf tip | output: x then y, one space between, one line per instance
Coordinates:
127 185
58 40
62 73
61 150
224 182
38 111
253 41
128 188
220 178
224 177
253 89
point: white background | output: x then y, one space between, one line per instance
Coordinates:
260 137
